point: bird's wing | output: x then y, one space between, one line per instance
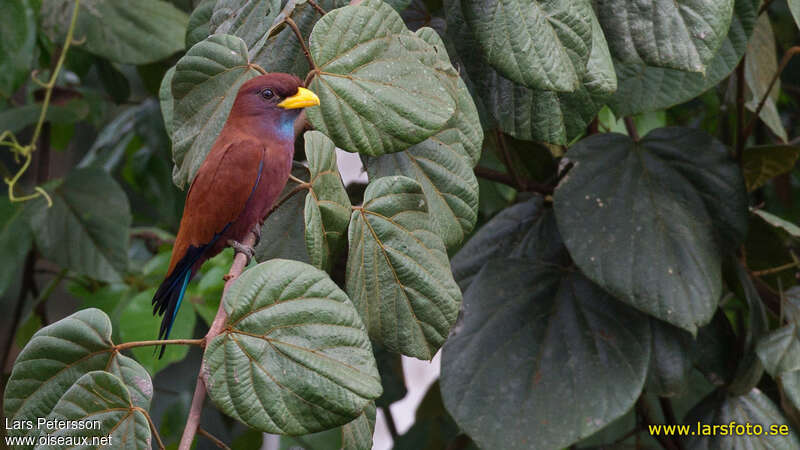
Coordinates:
218 194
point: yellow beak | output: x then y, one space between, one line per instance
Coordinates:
303 99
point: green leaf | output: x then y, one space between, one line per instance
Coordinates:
644 88
103 398
683 35
16 119
521 319
15 238
204 86
532 114
151 31
57 356
794 7
442 164
327 207
114 82
283 233
390 368
17 44
640 219
137 323
167 101
247 19
764 162
749 368
760 65
522 229
753 408
294 357
357 435
539 44
199 26
790 228
398 274
670 360
376 97
86 229
779 350
715 352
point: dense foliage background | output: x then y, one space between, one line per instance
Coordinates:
589 206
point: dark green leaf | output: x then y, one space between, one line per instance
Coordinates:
204 87
15 119
670 360
199 26
390 367
714 352
327 208
247 19
17 44
114 81
628 202
376 96
645 88
294 357
15 237
151 31
760 65
102 397
57 356
539 44
357 435
570 357
86 229
764 162
398 274
683 35
749 368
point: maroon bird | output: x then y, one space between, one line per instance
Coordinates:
236 185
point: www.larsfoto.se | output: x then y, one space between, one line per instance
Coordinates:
728 429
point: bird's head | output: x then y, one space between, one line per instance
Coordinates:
273 101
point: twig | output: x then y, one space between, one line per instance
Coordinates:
630 125
159 442
501 143
502 177
212 438
741 138
770 271
290 194
316 6
289 21
127 345
764 7
387 413
784 61
193 421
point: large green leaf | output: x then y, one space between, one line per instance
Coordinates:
376 96
86 229
532 114
753 408
294 357
357 435
442 164
542 357
681 34
247 19
398 274
57 356
17 44
115 30
645 88
764 162
327 208
167 101
760 66
199 26
641 218
540 44
204 86
524 228
99 398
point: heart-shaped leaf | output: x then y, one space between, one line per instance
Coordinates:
327 210
151 31
57 356
540 44
683 35
644 88
199 26
654 202
572 359
204 86
86 229
99 398
294 357
398 274
376 97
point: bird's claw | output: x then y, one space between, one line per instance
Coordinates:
257 232
238 247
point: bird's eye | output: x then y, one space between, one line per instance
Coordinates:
267 93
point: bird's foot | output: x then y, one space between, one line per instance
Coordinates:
257 232
238 247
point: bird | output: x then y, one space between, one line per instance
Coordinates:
237 184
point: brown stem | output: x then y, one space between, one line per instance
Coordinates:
127 345
195 410
316 6
159 442
501 143
212 438
285 198
630 125
740 135
289 21
784 61
502 177
761 273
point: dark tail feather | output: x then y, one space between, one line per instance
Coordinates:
170 294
